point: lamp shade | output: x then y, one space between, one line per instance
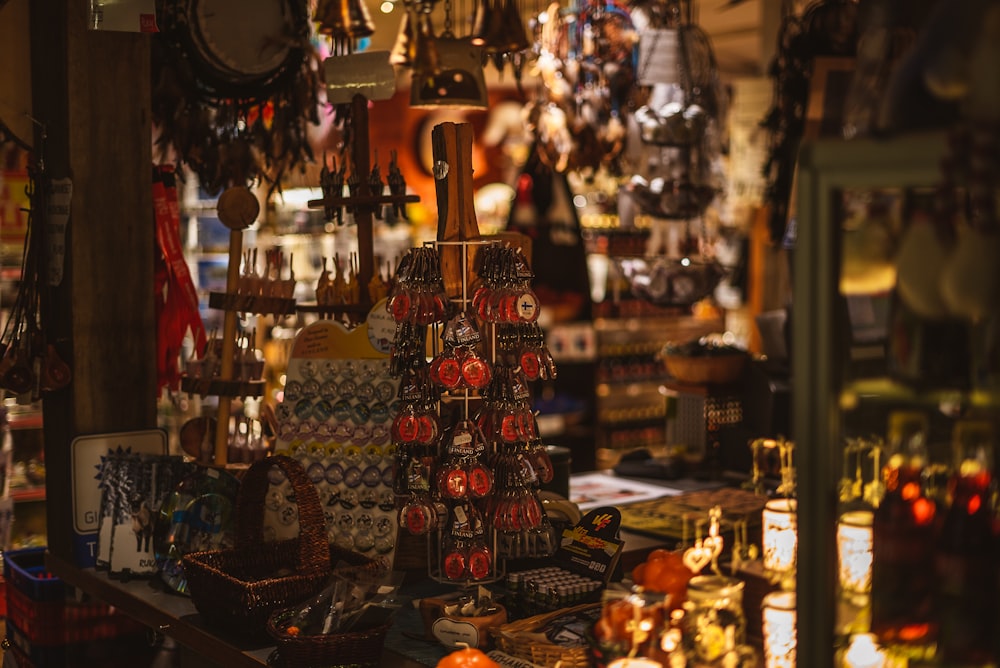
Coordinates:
779 536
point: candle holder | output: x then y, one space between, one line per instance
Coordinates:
854 553
779 541
778 610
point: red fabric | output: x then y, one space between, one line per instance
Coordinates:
175 295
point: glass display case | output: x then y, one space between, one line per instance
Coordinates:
886 387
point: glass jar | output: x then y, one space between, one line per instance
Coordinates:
714 625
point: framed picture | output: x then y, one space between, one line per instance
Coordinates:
829 85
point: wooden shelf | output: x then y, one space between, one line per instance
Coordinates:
256 304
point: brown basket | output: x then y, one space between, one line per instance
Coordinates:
520 640
238 588
356 648
706 369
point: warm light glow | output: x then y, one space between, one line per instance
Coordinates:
387 6
864 652
635 662
854 551
779 629
780 536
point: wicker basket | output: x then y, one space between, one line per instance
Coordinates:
706 369
356 648
238 588
521 640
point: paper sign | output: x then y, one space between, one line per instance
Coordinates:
86 454
123 15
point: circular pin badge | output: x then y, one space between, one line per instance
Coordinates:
454 483
274 499
365 392
379 412
342 410
275 475
385 391
361 413
480 481
283 411
380 435
383 526
372 453
343 432
316 473
475 372
329 390
330 370
386 501
322 410
415 517
365 523
480 563
323 431
450 373
530 366
288 514
349 499
384 544
293 390
371 476
388 476
287 430
406 427
368 498
307 369
527 306
305 429
345 541
303 409
345 522
310 389
454 565
352 476
334 474
348 388
364 542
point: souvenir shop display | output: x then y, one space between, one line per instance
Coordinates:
335 418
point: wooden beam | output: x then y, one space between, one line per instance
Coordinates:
91 92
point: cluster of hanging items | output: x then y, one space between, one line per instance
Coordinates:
29 364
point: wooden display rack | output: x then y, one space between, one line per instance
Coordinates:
364 204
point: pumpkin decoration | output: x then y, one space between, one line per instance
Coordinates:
467 657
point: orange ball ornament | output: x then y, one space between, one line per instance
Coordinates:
468 657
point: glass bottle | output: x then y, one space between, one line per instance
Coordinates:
903 543
965 587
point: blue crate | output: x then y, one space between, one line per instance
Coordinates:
25 570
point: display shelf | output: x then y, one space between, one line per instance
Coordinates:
28 494
257 304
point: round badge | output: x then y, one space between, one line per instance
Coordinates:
307 369
475 372
303 409
529 365
527 307
334 474
383 526
480 563
388 476
353 455
406 428
371 476
380 435
480 481
322 410
384 544
427 429
385 391
293 390
362 435
342 410
283 411
305 429
454 483
364 542
454 565
330 370
345 522
365 522
345 541
450 373
348 389
275 475
310 388
329 390
387 501
379 412
365 392
289 514
414 517
316 473
352 476
274 499
342 432
361 413
349 499
368 498
323 431
372 453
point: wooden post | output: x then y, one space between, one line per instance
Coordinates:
452 147
91 92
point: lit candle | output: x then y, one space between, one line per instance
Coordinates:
864 652
780 536
854 551
779 629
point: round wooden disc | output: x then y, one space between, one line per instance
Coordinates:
237 208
